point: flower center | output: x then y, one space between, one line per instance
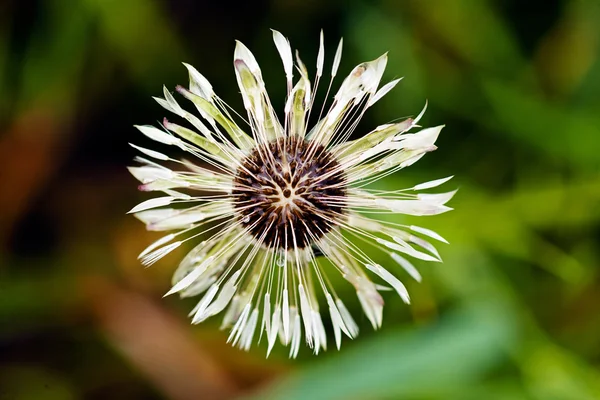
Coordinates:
289 194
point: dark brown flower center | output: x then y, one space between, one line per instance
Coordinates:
289 194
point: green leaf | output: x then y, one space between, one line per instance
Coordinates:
457 350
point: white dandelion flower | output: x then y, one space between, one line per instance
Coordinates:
271 201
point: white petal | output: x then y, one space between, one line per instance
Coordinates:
204 143
199 84
164 184
238 136
150 216
320 56
347 318
285 52
274 329
411 251
190 277
364 78
191 260
232 312
199 286
241 52
383 91
147 174
204 303
156 255
158 135
432 184
372 75
373 142
222 300
407 265
306 316
296 337
371 307
391 279
181 221
170 103
425 138
173 105
297 105
300 65
416 156
145 161
165 104
426 245
428 232
239 326
411 207
337 58
158 243
286 317
318 332
405 248
437 198
150 153
178 195
421 113
152 203
361 81
336 321
248 333
266 320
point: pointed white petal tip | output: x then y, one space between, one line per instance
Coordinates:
320 56
156 255
285 52
198 83
152 203
337 59
156 244
241 52
407 266
157 135
428 232
188 279
432 184
150 153
391 280
385 89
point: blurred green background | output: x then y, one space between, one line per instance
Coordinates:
514 311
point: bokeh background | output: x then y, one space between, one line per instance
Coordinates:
512 313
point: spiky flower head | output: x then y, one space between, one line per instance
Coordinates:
273 208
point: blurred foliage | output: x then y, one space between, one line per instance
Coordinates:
514 311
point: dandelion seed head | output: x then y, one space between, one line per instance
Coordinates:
264 204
